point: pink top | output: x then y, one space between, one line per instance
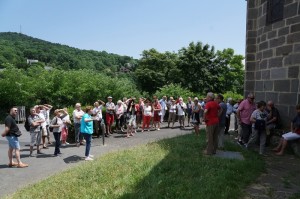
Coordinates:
246 109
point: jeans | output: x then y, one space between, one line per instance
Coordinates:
262 139
88 139
57 142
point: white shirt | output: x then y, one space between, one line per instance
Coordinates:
180 107
76 114
97 111
42 116
147 110
173 108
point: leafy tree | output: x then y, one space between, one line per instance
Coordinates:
156 69
174 90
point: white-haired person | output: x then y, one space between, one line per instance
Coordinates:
119 114
57 125
77 115
181 107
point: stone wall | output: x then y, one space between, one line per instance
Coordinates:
273 56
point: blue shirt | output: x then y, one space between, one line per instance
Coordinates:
86 127
222 118
162 103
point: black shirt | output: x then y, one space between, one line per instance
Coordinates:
10 122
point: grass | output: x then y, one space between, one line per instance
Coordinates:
171 168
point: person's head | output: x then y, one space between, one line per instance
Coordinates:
124 99
230 100
171 98
164 97
109 98
13 111
57 112
204 99
78 106
250 97
119 102
180 99
89 110
270 105
32 111
65 109
196 100
219 98
210 96
96 104
189 99
261 105
173 101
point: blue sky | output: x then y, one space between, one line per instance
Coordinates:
127 27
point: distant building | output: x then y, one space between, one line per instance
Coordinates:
31 61
273 53
124 70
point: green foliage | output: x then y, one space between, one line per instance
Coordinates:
175 91
232 95
15 48
60 88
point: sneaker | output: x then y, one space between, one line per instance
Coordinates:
67 143
158 129
148 129
91 156
88 158
64 145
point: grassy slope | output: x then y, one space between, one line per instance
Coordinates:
172 168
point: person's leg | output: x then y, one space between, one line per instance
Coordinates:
63 135
173 117
88 139
262 142
77 132
10 156
143 125
148 118
227 124
210 144
253 138
278 147
57 142
284 144
215 137
221 137
246 131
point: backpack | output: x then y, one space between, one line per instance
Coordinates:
27 125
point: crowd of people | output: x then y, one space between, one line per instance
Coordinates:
253 122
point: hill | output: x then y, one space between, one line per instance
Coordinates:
16 48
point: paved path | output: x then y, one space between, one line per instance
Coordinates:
45 164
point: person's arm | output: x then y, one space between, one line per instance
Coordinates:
101 102
6 130
204 115
220 111
252 118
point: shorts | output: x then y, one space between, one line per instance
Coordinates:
291 136
13 142
109 118
44 132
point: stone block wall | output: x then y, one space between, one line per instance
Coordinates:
273 56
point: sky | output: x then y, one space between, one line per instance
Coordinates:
127 27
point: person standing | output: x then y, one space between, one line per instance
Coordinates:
131 120
156 113
35 130
65 132
57 125
147 112
181 107
189 109
222 120
211 118
77 115
228 115
48 108
119 115
196 108
110 111
163 104
86 129
11 132
98 122
172 113
244 112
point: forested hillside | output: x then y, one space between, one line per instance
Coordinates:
16 48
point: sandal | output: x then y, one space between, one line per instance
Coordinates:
13 164
23 165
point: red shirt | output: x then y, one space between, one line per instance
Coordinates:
211 115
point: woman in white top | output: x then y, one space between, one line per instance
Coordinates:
57 125
147 113
172 113
119 114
